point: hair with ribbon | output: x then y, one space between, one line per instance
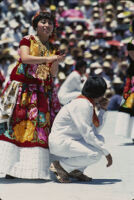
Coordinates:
45 15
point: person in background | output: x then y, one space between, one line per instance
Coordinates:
73 84
74 135
29 104
126 110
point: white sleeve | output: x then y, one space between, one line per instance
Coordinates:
81 113
70 89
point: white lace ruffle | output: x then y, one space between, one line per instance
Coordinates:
24 162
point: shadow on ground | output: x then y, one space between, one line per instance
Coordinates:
19 180
94 181
34 181
127 144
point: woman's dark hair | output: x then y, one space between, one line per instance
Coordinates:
94 87
42 15
80 64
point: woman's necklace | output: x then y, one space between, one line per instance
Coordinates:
43 70
43 48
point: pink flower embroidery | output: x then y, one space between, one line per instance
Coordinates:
33 113
41 134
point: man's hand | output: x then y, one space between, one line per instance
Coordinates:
104 103
109 160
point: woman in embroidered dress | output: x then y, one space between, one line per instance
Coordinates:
74 136
126 110
29 105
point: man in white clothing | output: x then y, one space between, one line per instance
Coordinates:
74 136
73 84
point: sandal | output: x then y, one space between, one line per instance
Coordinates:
61 174
79 176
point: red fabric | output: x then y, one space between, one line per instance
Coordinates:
25 42
25 144
24 79
127 88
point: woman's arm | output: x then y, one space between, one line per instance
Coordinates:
29 59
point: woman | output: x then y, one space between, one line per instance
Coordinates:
29 105
126 110
74 136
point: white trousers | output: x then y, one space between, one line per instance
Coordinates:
124 125
79 156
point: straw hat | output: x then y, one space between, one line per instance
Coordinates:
94 47
69 60
109 7
61 4
81 43
108 57
106 64
98 71
95 65
117 80
79 28
61 76
87 2
87 55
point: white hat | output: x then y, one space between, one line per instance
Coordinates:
79 28
95 65
98 71
61 76
69 60
68 29
106 64
87 54
72 36
81 43
13 23
109 7
94 47
61 3
108 57
86 2
117 80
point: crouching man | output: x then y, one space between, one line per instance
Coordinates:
74 136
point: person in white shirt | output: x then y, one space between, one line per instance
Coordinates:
74 136
73 84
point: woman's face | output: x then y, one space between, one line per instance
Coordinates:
45 27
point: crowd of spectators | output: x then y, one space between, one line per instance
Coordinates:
94 30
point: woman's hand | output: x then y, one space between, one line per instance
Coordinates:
55 58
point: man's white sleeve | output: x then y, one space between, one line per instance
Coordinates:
81 113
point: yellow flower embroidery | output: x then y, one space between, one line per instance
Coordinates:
24 99
130 101
48 118
24 131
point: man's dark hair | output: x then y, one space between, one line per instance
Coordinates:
80 64
42 15
94 87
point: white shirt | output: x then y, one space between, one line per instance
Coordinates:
71 88
74 122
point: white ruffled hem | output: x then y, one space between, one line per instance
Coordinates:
24 162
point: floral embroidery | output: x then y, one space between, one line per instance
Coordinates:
41 134
24 131
33 113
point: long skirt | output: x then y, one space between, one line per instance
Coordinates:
27 112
